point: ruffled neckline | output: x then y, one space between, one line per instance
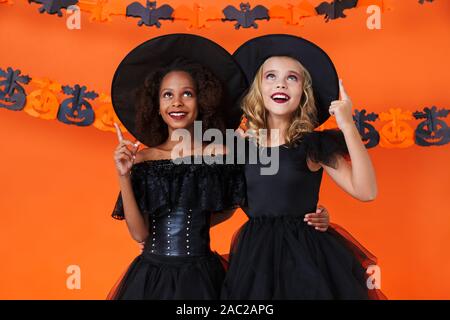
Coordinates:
165 161
162 183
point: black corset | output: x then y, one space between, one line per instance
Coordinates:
179 232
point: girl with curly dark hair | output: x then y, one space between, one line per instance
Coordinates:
156 120
167 205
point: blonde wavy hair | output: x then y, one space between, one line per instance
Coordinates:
304 118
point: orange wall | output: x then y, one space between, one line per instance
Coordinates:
58 182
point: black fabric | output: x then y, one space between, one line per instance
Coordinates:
178 199
179 232
164 184
252 54
293 175
325 146
159 277
276 255
164 51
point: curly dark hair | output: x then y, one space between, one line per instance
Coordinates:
210 101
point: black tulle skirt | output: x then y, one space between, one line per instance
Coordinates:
159 277
284 258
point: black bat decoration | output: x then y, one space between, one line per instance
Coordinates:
335 9
245 17
423 1
54 6
150 15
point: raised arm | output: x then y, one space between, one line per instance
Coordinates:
357 178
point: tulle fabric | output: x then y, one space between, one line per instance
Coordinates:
158 277
325 146
283 258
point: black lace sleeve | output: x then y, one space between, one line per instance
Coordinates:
325 146
161 184
139 194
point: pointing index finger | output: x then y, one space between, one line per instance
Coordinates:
119 133
343 93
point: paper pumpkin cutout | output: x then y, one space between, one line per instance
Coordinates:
54 6
76 109
198 15
105 115
432 131
43 103
335 9
12 95
293 14
369 135
150 14
397 133
102 10
245 17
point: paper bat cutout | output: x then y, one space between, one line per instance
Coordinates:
150 15
245 17
54 6
335 9
102 10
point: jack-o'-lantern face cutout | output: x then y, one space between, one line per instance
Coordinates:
43 103
105 115
397 133
432 131
76 109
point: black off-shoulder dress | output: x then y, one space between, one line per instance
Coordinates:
179 198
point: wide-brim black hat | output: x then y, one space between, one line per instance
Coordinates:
252 54
163 51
